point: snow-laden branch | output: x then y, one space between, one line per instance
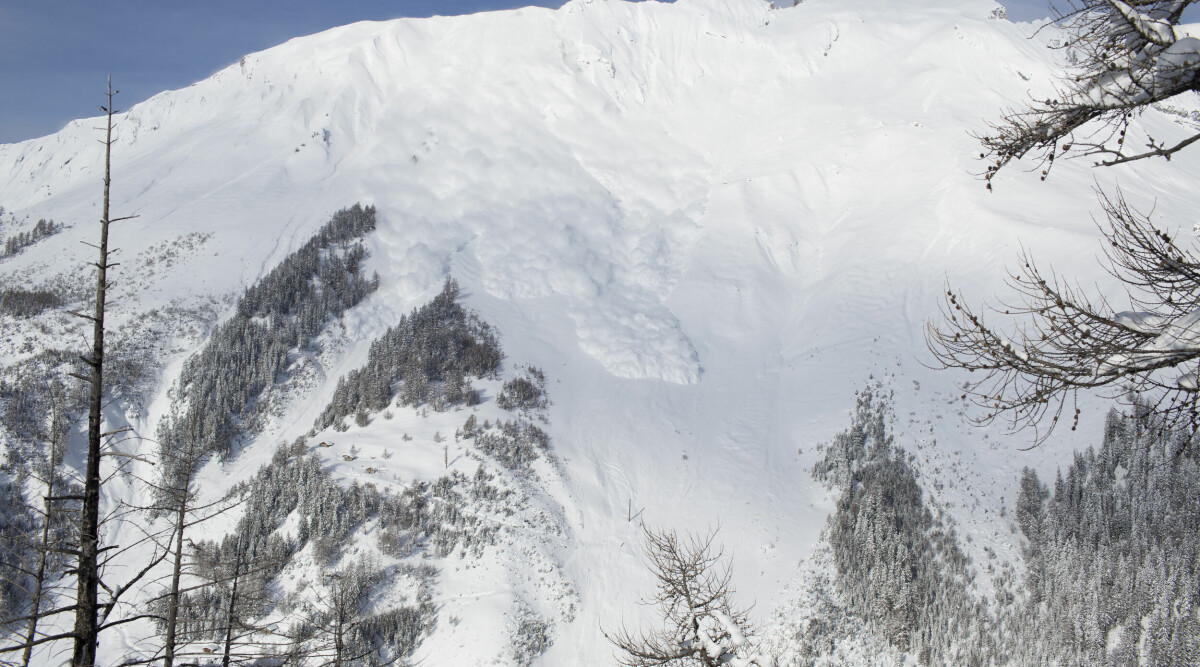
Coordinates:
719 640
1128 55
694 591
1153 30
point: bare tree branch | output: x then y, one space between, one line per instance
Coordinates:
1061 341
1127 54
694 590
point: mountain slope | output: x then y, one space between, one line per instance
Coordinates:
708 222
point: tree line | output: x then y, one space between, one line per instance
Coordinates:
1111 555
21 240
221 388
429 356
1112 552
899 567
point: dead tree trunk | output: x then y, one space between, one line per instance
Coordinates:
39 579
229 615
177 567
87 627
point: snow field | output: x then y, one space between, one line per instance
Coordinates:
708 222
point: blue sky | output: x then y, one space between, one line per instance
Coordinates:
55 54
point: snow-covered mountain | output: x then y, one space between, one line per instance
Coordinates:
708 222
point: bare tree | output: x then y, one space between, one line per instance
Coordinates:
176 498
1127 55
702 628
327 628
37 559
180 496
232 624
181 454
249 592
56 443
87 605
91 615
1060 340
340 613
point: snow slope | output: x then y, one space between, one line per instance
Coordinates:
709 222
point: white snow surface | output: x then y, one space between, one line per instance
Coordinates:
709 222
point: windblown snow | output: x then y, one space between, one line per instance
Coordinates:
709 222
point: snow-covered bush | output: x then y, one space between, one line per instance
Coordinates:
515 444
525 392
531 636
